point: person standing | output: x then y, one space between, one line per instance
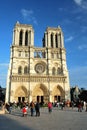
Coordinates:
32 108
49 107
24 111
79 106
37 109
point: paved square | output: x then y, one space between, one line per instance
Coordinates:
67 119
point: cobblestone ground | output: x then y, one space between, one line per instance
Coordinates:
67 119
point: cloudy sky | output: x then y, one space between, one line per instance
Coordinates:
71 15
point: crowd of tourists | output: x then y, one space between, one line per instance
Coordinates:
34 107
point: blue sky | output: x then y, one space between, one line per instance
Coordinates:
71 15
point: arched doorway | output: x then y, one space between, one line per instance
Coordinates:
40 93
58 94
20 94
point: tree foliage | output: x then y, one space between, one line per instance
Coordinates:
83 95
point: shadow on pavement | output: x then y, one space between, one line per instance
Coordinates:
7 122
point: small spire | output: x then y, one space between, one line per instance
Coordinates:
17 22
59 27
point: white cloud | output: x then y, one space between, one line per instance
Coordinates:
28 15
69 39
81 3
82 47
3 64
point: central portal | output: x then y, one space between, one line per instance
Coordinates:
40 99
21 99
40 93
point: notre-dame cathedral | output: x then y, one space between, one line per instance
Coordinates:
37 73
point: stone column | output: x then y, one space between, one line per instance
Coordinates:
54 41
49 44
30 96
13 40
16 37
32 38
29 37
62 40
59 40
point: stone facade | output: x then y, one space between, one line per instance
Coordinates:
37 73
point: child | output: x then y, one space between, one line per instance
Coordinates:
24 111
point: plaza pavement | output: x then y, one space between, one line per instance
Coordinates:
67 119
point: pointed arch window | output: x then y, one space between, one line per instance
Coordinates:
26 38
53 71
51 40
56 41
59 36
26 70
19 70
20 38
59 71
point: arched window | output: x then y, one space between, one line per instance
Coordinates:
56 41
25 70
26 54
53 71
20 38
19 70
59 71
51 40
59 37
26 38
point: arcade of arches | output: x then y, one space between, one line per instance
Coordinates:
39 93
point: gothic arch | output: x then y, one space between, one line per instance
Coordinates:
58 92
53 71
20 92
20 37
26 70
59 70
20 70
40 90
51 38
56 40
26 38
